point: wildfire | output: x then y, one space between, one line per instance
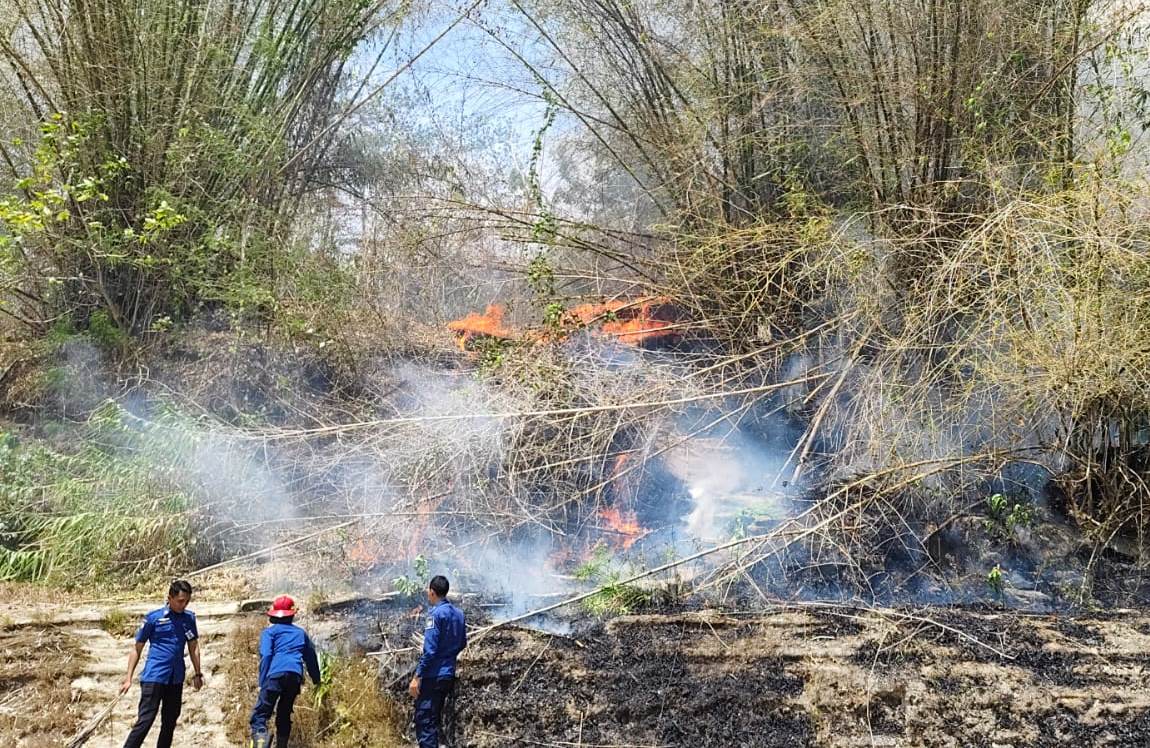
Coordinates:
421 523
626 524
490 323
631 321
364 553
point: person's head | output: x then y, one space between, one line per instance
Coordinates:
179 595
283 610
437 588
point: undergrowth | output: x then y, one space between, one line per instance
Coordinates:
346 710
70 517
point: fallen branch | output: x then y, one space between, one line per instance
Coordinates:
564 744
888 613
638 405
86 732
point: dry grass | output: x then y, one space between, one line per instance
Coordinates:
353 711
37 667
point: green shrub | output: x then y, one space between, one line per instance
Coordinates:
70 518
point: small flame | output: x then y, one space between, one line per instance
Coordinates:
421 523
625 524
630 321
364 553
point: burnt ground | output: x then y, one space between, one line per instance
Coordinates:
795 676
813 677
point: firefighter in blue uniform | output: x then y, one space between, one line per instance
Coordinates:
285 652
166 631
444 637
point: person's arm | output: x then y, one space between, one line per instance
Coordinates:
194 653
133 660
311 660
430 650
267 648
143 634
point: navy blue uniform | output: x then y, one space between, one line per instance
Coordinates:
162 679
285 652
444 637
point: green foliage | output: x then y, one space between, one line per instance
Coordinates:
743 523
613 596
541 280
327 667
412 585
1005 518
544 228
186 204
105 332
492 352
540 276
70 519
996 580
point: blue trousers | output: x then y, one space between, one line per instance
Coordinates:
165 698
277 694
429 709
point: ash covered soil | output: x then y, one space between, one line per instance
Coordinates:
814 677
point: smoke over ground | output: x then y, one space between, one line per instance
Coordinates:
514 474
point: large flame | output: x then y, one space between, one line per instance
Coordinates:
490 323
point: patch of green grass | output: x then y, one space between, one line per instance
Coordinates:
614 597
101 512
118 622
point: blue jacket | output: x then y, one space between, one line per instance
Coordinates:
444 638
286 648
166 634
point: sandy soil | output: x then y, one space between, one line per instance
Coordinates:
201 723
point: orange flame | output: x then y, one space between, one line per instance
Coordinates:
364 553
490 323
630 321
421 523
626 524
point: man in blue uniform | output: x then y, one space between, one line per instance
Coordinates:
444 637
166 631
285 652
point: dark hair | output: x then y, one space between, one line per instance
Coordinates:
178 586
439 585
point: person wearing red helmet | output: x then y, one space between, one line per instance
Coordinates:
285 652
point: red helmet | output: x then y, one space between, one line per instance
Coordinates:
282 607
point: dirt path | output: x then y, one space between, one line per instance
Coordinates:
202 721
61 667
